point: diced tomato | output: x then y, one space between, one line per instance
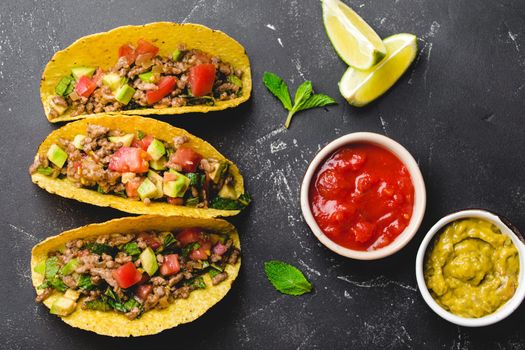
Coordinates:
166 85
187 158
127 275
144 143
201 79
175 200
97 77
143 291
151 240
170 265
85 86
129 159
189 235
132 187
202 253
127 51
363 231
146 47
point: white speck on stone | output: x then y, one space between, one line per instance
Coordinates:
270 26
277 146
280 42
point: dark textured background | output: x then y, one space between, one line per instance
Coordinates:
459 110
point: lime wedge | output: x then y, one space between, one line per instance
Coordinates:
362 87
354 40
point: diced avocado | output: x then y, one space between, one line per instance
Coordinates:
40 267
148 260
146 77
62 88
70 267
112 80
72 294
156 149
176 55
60 109
192 202
79 72
56 155
126 140
228 191
124 94
219 169
177 187
158 164
77 141
157 181
63 306
147 189
234 80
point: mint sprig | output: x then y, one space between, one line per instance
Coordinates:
286 278
303 99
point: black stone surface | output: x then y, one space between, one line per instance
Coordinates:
459 110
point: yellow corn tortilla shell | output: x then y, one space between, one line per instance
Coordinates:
101 50
153 321
130 124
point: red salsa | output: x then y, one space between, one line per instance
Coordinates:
362 197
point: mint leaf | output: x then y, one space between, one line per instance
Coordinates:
317 100
303 98
286 278
303 93
278 88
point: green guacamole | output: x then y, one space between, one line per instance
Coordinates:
472 269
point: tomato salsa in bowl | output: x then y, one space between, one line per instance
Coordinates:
363 196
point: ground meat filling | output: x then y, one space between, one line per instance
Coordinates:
94 268
102 160
226 86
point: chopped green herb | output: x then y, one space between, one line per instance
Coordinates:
52 267
213 273
286 278
169 240
189 248
196 283
231 204
84 282
131 248
131 304
303 99
205 264
99 248
100 189
44 285
192 202
140 135
217 267
45 171
97 304
234 80
194 179
57 284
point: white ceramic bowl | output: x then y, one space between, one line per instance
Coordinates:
420 197
507 229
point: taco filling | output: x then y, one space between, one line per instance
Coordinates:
141 78
141 167
134 273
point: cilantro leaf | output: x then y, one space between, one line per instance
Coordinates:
52 267
286 278
131 248
303 98
278 88
84 282
231 204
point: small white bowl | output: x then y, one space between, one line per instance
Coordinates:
420 197
507 229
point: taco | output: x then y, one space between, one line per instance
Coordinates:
138 165
137 275
157 68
